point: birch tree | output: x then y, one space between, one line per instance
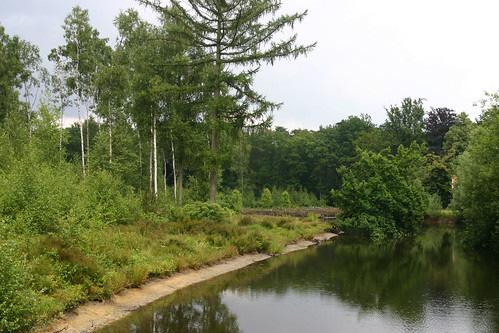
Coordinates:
79 58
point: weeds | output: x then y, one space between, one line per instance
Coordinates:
92 262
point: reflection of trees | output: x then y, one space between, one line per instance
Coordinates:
403 277
202 315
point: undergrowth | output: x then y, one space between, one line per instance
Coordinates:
43 275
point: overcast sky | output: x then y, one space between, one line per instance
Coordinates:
370 54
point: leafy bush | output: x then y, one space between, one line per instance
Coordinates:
204 211
246 220
103 199
285 199
382 196
37 196
252 242
266 198
232 201
17 312
434 205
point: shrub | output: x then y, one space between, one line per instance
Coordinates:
232 201
204 211
285 199
382 196
103 199
246 220
17 312
37 197
252 242
266 198
434 205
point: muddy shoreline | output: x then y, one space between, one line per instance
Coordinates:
91 316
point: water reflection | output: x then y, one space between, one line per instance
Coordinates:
421 285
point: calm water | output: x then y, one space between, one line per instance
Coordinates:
422 285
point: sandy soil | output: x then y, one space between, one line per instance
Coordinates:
94 315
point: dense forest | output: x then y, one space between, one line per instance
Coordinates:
168 120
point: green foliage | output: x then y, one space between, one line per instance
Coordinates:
266 198
103 199
204 211
232 201
17 301
437 125
434 205
36 196
305 162
438 179
285 199
477 193
382 196
457 138
406 122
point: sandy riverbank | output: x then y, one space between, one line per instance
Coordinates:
94 315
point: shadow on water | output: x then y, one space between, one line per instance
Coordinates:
425 284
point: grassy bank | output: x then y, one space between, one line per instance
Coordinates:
45 275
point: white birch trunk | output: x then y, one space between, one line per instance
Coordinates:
174 170
164 172
82 141
155 157
88 142
150 165
61 125
110 133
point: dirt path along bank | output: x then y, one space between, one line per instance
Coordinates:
94 315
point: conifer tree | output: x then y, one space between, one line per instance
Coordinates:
236 37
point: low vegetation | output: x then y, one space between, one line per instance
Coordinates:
44 274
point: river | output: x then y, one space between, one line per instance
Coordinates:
425 284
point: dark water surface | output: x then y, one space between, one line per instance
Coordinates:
422 285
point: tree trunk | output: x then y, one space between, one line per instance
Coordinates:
88 143
155 156
214 167
164 172
110 133
140 154
150 166
215 131
61 125
82 141
174 170
180 184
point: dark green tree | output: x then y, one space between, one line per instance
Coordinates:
437 124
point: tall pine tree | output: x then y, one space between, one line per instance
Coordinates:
235 37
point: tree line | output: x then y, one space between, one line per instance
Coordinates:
170 112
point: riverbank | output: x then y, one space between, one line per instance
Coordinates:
44 276
94 315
